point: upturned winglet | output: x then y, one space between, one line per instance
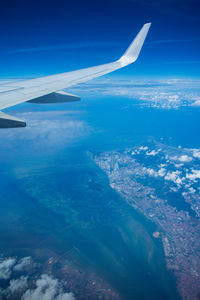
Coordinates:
48 89
135 47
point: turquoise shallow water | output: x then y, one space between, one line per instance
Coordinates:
112 239
56 198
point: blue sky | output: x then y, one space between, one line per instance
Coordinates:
46 37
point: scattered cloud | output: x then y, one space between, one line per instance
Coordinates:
52 129
165 93
178 166
6 267
175 170
17 284
162 172
191 190
196 102
195 174
173 164
150 172
196 153
170 176
185 158
143 148
174 176
182 158
43 286
25 261
47 288
152 153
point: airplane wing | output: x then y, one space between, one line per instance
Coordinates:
48 89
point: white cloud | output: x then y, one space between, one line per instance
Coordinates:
185 158
150 172
174 177
143 148
155 93
178 166
25 261
194 175
47 288
197 102
162 172
6 268
162 165
65 296
17 284
45 131
191 190
152 153
196 153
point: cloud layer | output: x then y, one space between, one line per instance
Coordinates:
45 131
165 93
6 268
17 286
47 288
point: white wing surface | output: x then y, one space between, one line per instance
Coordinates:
47 89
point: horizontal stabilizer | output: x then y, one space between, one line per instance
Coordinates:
7 121
56 97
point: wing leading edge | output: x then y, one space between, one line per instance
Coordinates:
31 89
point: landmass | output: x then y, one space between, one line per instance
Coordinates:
162 183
